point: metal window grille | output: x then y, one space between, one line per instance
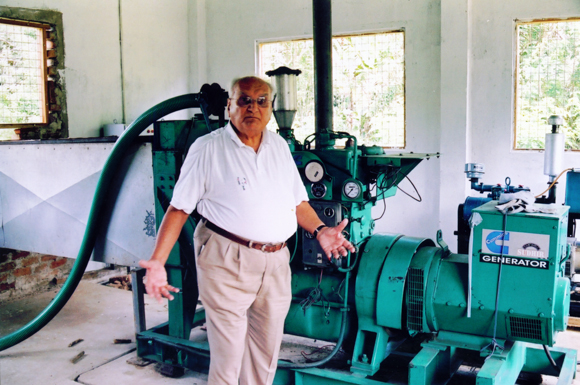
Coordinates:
547 81
368 82
22 75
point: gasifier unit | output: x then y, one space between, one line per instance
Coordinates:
401 309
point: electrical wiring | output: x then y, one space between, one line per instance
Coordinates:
383 190
384 211
318 350
409 195
316 295
554 182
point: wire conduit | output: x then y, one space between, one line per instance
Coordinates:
92 230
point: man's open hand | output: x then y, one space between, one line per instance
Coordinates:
333 242
156 280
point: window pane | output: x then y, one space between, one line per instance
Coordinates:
548 82
368 81
21 74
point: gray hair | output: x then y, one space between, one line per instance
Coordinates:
246 79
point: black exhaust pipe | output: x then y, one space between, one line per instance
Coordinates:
322 30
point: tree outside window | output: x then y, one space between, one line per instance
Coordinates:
547 81
368 82
22 75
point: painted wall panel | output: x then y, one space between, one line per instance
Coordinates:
46 192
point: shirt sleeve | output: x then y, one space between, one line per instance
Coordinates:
190 186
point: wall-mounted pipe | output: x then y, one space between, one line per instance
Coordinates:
96 214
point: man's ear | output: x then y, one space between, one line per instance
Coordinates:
228 106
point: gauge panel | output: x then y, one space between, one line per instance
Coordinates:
314 171
352 189
318 190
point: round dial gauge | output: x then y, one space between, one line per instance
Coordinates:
314 171
351 190
318 190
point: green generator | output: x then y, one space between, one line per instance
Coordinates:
401 309
398 296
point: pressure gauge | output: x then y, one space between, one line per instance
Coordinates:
351 189
318 190
314 171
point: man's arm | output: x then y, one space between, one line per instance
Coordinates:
156 277
330 238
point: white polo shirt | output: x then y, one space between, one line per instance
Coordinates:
253 195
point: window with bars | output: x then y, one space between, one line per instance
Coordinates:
547 81
32 91
22 73
368 82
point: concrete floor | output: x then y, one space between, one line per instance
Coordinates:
98 314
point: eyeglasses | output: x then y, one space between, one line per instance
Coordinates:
244 101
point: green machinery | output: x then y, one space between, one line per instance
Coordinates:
396 292
401 309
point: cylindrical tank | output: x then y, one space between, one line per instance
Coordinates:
554 153
285 105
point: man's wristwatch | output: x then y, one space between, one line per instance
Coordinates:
315 232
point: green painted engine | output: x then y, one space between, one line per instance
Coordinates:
397 293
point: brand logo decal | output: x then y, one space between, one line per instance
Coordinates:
516 244
494 242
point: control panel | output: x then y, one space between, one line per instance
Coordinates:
331 214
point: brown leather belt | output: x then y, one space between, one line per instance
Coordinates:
265 247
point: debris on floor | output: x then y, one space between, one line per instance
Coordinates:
121 282
78 357
75 342
138 361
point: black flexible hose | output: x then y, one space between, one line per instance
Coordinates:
109 171
552 362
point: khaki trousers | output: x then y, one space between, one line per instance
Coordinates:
246 294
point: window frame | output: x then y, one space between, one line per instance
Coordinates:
258 65
516 71
46 107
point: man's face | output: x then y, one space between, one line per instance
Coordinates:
251 119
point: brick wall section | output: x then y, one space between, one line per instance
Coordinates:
23 273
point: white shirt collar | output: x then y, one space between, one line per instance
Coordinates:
265 136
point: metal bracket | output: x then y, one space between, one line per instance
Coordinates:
442 244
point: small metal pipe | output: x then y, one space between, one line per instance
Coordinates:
322 31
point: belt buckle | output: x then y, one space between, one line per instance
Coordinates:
263 248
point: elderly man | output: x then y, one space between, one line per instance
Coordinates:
244 183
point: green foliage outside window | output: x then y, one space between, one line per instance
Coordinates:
21 77
548 82
368 82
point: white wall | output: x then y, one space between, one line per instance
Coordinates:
459 87
492 91
155 57
155 53
459 76
234 27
